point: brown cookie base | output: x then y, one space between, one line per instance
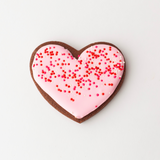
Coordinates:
75 54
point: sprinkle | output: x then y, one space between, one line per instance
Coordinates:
72 99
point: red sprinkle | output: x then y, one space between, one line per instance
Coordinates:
72 99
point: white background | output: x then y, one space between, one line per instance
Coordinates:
128 128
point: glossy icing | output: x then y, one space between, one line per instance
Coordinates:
79 86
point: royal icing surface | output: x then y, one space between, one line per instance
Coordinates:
79 86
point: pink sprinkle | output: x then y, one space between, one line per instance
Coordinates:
96 86
59 59
38 75
64 90
114 76
96 106
108 75
50 76
119 77
83 84
69 70
59 75
96 46
53 65
97 94
88 88
60 67
90 84
48 68
93 82
90 95
36 59
64 80
101 80
78 55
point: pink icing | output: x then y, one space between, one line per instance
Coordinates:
79 86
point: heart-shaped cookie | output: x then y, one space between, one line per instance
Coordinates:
77 83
